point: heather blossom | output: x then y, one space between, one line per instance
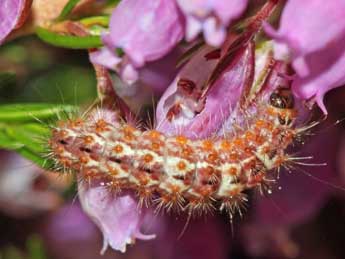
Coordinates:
212 89
196 95
18 195
182 107
210 17
144 30
182 110
117 216
158 28
312 34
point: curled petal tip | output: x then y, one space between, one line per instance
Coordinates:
193 28
320 103
211 17
117 216
129 74
105 57
214 34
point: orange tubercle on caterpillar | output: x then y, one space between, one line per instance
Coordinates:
175 171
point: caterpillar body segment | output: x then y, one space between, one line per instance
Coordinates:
174 171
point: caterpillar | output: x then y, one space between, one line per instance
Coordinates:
175 172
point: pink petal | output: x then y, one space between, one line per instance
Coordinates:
68 233
214 34
302 20
117 216
228 11
318 61
327 71
193 28
12 14
148 31
220 101
105 57
211 16
159 74
129 74
18 196
197 70
156 29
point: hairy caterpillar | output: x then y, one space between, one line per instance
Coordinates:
176 172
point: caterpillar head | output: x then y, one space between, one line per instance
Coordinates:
282 102
282 98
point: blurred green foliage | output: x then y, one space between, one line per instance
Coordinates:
34 249
38 84
31 71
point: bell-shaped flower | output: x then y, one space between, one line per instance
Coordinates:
117 215
140 31
312 34
211 18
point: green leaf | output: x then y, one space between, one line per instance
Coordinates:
67 9
22 129
113 2
26 112
6 142
32 136
35 247
68 41
30 140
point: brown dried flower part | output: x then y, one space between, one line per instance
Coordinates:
43 13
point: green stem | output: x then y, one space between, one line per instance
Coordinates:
68 41
99 20
32 112
67 9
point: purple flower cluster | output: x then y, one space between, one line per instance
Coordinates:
310 36
144 34
147 30
315 48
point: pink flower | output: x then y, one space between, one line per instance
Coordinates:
144 30
180 103
120 222
210 17
312 33
199 104
70 234
209 92
12 15
157 75
117 216
19 197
